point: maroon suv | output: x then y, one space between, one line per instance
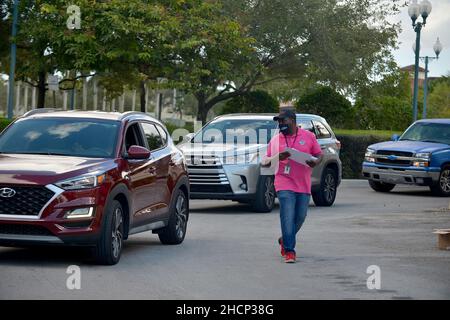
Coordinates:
90 179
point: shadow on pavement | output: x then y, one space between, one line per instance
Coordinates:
228 208
420 192
56 256
36 256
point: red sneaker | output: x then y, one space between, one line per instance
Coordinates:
280 242
290 257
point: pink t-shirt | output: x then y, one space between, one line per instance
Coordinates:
299 177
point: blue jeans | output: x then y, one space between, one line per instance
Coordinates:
293 211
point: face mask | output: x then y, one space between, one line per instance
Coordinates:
284 128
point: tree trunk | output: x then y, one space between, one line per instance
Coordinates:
202 111
41 90
143 93
203 107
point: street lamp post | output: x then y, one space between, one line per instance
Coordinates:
415 10
12 67
437 50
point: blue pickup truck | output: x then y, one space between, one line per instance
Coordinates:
421 156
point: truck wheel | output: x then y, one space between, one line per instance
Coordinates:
381 186
175 232
442 188
109 247
265 195
326 195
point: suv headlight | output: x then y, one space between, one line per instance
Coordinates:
369 156
81 183
423 156
80 213
422 160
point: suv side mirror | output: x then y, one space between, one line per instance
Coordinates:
138 153
395 137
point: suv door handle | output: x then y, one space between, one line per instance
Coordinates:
152 170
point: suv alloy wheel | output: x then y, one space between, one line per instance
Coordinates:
326 195
175 232
109 247
265 195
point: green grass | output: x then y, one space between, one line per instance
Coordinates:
379 133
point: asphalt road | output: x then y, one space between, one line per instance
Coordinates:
231 253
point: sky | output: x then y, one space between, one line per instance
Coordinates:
438 25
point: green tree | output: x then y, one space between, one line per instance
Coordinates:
211 54
433 83
257 101
385 104
329 41
439 100
332 42
123 42
326 102
45 45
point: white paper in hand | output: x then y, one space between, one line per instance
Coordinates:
300 157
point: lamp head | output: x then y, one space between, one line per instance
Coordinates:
438 47
414 11
425 9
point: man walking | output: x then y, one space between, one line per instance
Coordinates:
292 179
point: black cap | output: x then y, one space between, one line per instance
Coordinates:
286 114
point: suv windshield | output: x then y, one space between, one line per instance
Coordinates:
428 132
61 136
237 131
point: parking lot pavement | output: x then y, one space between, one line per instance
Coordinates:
231 253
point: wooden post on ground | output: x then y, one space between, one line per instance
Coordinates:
147 103
25 98
104 100
65 100
33 99
94 81
85 84
18 89
133 107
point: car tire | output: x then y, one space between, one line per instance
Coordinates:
442 188
109 247
326 195
381 186
264 200
175 232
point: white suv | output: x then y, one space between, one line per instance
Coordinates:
223 160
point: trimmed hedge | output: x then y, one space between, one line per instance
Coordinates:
353 151
171 127
4 123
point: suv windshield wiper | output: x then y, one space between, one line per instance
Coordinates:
431 141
